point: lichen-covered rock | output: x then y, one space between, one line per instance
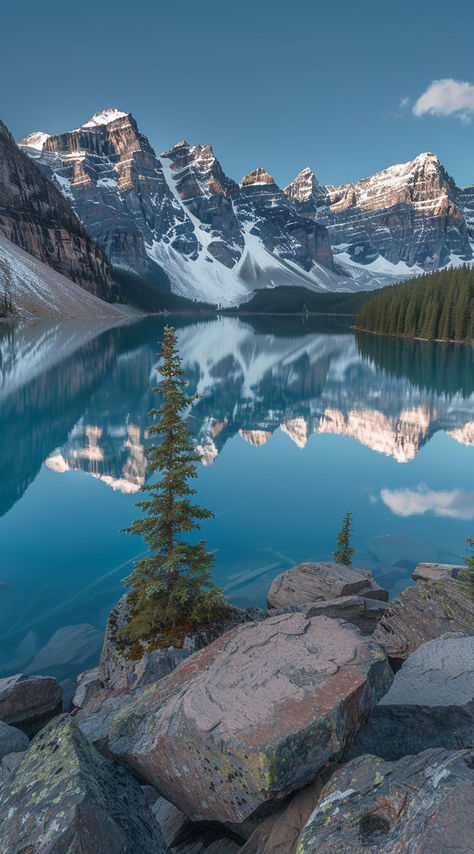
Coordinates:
313 582
11 739
253 716
424 612
430 703
28 702
421 804
64 798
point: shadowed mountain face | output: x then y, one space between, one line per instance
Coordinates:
77 397
35 216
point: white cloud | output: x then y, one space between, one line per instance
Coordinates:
404 102
447 98
453 504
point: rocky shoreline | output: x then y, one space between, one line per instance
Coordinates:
334 721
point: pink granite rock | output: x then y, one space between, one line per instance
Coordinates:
312 582
253 716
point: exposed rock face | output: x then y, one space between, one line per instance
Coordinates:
28 702
87 684
65 797
37 290
311 582
421 803
361 612
179 213
270 215
279 832
436 571
424 612
208 194
410 212
35 216
430 703
258 712
118 672
12 740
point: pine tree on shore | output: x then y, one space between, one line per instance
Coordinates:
344 552
171 588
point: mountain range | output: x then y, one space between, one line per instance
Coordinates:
104 201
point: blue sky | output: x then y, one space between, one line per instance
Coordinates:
281 85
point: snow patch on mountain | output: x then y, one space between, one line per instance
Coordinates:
104 117
35 140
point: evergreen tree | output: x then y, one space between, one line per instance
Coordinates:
468 573
171 589
435 305
344 552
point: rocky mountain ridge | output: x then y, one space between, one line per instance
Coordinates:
180 217
411 214
35 216
180 213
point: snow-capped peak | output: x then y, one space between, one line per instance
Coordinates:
104 117
258 176
305 186
36 140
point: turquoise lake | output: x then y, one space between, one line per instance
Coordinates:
297 422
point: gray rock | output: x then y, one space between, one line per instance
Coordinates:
87 684
436 571
422 804
361 612
11 739
253 716
313 582
279 832
10 762
64 796
424 612
430 703
29 701
118 672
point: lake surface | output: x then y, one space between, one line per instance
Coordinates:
298 421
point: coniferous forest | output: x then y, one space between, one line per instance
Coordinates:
436 306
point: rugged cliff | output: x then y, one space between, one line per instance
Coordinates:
411 212
181 213
35 216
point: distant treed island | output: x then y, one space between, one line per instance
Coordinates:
435 306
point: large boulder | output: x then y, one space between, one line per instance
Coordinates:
253 716
363 613
28 702
12 740
430 703
424 612
436 571
422 804
65 797
118 671
312 582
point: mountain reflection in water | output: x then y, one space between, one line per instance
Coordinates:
74 397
